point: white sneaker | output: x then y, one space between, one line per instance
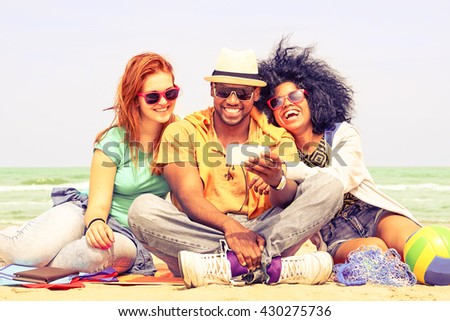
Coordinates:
202 269
309 268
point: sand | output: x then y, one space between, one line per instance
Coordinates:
107 301
330 291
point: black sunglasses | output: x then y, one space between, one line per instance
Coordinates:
244 93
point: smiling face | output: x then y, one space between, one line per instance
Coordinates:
295 117
159 112
232 110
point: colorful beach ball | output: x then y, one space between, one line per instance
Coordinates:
427 252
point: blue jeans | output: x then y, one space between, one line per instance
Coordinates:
355 221
56 238
165 231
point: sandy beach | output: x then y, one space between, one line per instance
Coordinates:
330 291
114 302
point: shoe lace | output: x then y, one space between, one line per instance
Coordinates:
293 269
216 267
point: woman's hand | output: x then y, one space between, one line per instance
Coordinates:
99 235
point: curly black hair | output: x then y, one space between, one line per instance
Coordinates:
329 98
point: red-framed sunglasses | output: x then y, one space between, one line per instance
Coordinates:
295 96
153 97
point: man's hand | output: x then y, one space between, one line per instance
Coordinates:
269 167
259 186
246 244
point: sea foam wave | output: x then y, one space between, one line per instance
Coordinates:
15 203
416 187
85 185
24 188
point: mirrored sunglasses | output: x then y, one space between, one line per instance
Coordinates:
153 97
295 96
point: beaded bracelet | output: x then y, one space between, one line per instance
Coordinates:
95 219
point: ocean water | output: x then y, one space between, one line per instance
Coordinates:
25 192
425 191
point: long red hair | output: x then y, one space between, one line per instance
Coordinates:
131 83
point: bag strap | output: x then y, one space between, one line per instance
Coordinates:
329 133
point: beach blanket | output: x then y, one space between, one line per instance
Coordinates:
107 276
7 278
162 276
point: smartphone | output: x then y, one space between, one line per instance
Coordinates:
237 154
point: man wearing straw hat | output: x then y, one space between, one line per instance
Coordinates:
229 222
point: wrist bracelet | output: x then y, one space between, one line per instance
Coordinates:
281 184
93 220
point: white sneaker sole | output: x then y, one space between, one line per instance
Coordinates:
326 267
186 263
316 268
194 269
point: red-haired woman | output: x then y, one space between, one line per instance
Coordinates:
92 233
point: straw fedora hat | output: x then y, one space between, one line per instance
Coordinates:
237 67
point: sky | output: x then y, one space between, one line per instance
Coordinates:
61 61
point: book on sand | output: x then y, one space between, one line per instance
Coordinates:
45 274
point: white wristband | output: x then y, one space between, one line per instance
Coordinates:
282 183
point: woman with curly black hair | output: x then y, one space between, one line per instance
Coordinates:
312 101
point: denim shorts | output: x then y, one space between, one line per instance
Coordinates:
358 220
